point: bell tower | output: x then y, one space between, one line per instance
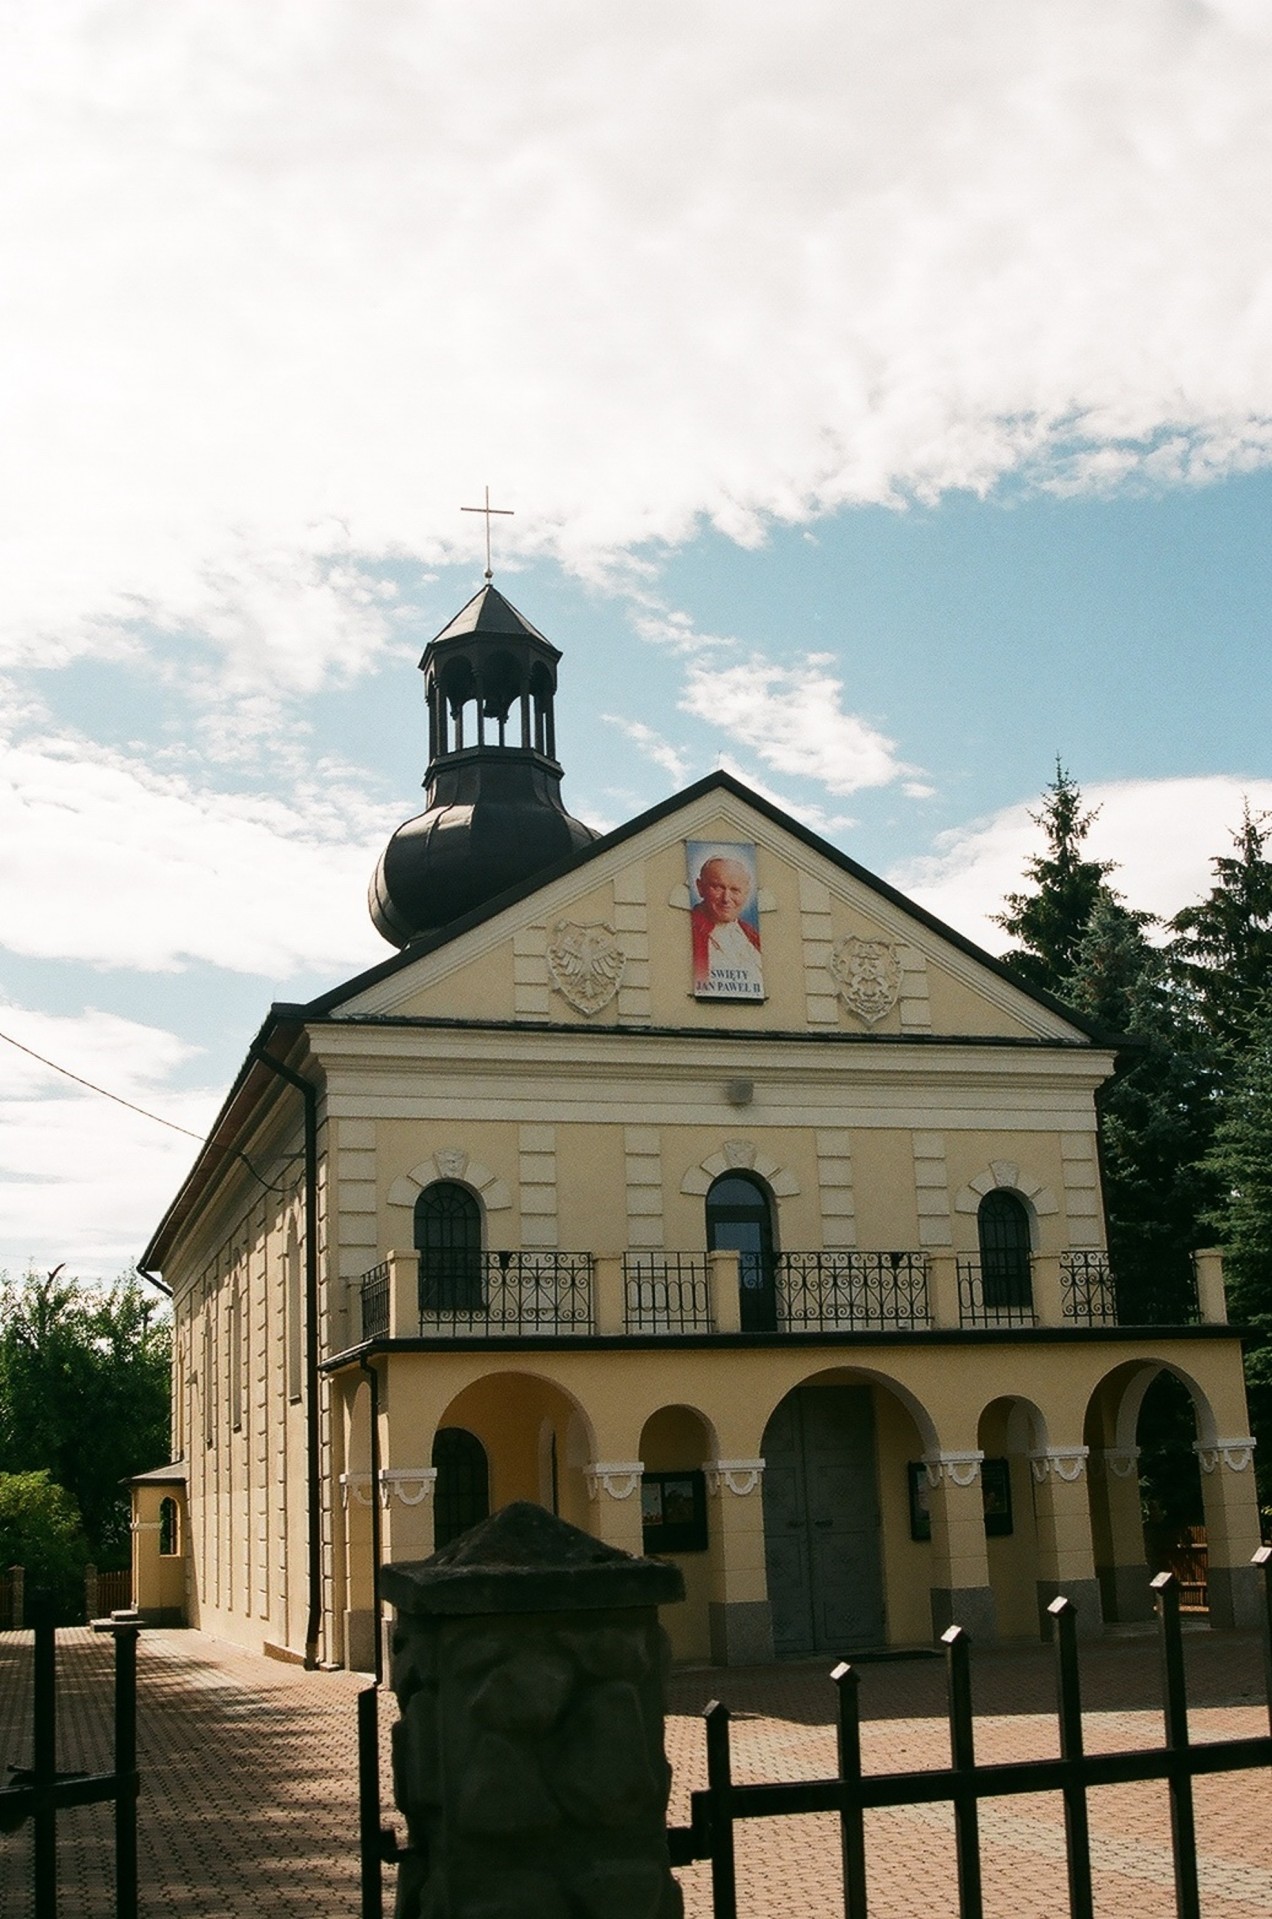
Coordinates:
494 815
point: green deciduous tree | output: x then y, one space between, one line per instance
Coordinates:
40 1531
84 1375
1049 922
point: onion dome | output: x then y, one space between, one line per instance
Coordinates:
494 816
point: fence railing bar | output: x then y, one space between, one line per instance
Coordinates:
958 1672
724 1889
1183 1825
44 1766
1077 1829
852 1829
125 1638
371 1876
1263 1560
1005 1780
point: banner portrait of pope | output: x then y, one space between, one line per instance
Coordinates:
724 918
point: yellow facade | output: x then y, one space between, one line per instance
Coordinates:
552 1062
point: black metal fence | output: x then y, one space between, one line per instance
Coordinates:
853 1292
990 1299
667 1293
39 1792
964 1784
515 1293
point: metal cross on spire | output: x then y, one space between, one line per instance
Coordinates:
488 509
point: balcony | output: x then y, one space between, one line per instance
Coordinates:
549 1294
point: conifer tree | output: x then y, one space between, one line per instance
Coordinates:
1222 947
1156 1113
1241 1163
1049 922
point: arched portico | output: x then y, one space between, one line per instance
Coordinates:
1225 1455
840 1556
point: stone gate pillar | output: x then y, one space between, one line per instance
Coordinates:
528 1762
1232 1529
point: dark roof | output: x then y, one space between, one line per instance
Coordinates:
177 1474
489 612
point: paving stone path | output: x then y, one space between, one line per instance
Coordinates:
249 1783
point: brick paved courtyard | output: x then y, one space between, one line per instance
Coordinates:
249 1783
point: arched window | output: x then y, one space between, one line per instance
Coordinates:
1002 1223
740 1219
169 1529
461 1492
448 1241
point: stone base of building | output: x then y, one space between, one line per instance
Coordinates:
359 1639
1084 1596
1236 1596
1126 1593
971 1607
741 1632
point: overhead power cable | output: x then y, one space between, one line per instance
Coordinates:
119 1100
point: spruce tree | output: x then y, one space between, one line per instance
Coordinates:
1241 1163
1156 1113
1222 948
1050 921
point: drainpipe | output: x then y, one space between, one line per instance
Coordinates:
159 1285
377 1544
309 1095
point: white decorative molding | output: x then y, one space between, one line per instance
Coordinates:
359 1484
868 975
961 1469
1006 1174
409 1485
618 1477
1121 1461
1236 1454
736 1153
146 1526
586 963
1059 1462
451 1162
740 1476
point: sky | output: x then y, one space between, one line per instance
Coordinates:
881 398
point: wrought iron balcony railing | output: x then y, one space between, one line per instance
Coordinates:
375 1301
501 1295
1097 1293
995 1293
852 1292
667 1293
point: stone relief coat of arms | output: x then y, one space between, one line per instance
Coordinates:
868 974
586 964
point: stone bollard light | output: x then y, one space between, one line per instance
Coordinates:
528 1761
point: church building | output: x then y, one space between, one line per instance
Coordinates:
690 1181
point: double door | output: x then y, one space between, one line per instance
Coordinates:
821 1523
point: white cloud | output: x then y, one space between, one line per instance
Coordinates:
105 860
791 716
816 818
292 284
653 745
1162 833
83 1179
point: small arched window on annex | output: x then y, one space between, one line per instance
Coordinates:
1006 1245
740 1219
169 1529
461 1491
448 1241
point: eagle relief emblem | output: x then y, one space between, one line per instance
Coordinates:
868 973
586 964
